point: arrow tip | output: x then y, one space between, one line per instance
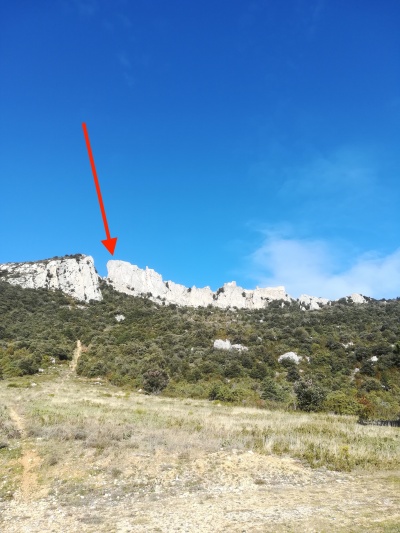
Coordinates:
110 244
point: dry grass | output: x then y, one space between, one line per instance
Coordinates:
7 429
175 426
99 443
10 469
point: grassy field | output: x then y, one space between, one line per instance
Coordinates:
97 458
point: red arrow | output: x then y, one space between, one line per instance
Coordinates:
109 243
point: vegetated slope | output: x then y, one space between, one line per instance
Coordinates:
170 349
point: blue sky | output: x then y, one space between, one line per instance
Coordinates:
250 140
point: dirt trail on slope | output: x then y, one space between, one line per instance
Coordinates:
76 356
30 460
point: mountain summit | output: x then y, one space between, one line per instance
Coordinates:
76 276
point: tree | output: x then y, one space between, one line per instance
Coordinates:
273 391
310 396
155 380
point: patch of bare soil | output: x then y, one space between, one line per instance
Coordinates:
30 460
76 356
319 502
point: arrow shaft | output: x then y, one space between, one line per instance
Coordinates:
96 181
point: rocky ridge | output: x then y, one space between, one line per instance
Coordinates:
130 279
76 276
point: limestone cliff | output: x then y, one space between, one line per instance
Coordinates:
74 275
130 279
77 276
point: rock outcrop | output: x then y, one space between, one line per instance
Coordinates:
312 303
132 280
290 356
74 275
357 298
226 345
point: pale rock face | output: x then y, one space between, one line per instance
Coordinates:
131 279
261 296
240 348
358 298
135 281
292 356
74 275
220 344
77 277
312 302
348 344
230 295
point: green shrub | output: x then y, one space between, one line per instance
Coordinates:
155 380
223 393
310 396
371 384
19 363
378 406
293 374
271 390
341 403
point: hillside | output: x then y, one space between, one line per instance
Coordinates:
349 354
123 415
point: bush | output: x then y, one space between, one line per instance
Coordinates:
91 367
259 371
233 370
378 406
293 374
223 393
273 391
368 368
371 384
155 380
310 396
341 403
19 363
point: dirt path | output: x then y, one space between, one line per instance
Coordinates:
76 356
30 460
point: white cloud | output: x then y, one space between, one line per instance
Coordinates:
311 267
